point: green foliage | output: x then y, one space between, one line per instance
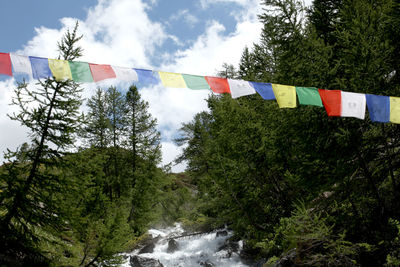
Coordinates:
97 122
252 161
51 114
393 258
308 233
78 209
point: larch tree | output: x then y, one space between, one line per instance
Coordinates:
143 144
51 114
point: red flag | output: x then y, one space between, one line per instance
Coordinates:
218 85
332 100
101 72
5 64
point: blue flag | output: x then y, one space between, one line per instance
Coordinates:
378 108
264 90
40 67
146 77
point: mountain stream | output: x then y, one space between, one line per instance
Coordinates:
172 247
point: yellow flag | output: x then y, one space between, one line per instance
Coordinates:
285 95
60 69
395 109
170 79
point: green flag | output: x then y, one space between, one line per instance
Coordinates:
195 82
80 72
308 96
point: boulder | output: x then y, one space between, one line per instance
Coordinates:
288 260
149 248
222 233
172 246
137 261
206 263
230 246
259 263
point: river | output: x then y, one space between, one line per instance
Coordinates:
209 250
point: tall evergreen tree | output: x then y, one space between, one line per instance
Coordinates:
261 160
116 104
51 114
98 122
143 144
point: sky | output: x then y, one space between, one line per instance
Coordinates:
183 36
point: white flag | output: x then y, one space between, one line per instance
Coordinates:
240 88
353 105
125 74
21 64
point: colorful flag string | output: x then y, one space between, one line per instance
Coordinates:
336 102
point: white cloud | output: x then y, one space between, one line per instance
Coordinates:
207 3
173 106
244 3
120 32
12 134
214 47
115 32
170 152
187 17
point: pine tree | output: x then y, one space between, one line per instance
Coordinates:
143 138
116 105
143 144
97 122
324 15
51 114
228 71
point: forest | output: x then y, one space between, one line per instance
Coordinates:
299 187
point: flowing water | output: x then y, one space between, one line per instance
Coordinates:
210 249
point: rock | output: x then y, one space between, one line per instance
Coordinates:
230 247
259 263
137 261
222 233
206 263
144 242
288 260
148 245
172 246
149 248
248 254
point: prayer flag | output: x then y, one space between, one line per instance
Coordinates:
353 105
146 77
195 82
40 67
5 64
308 96
395 109
125 74
218 85
332 101
264 90
240 88
80 71
378 108
21 64
60 69
285 95
101 72
170 79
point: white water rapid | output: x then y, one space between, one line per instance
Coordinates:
209 250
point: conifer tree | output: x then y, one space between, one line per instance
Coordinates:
143 139
115 114
51 114
143 144
98 123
